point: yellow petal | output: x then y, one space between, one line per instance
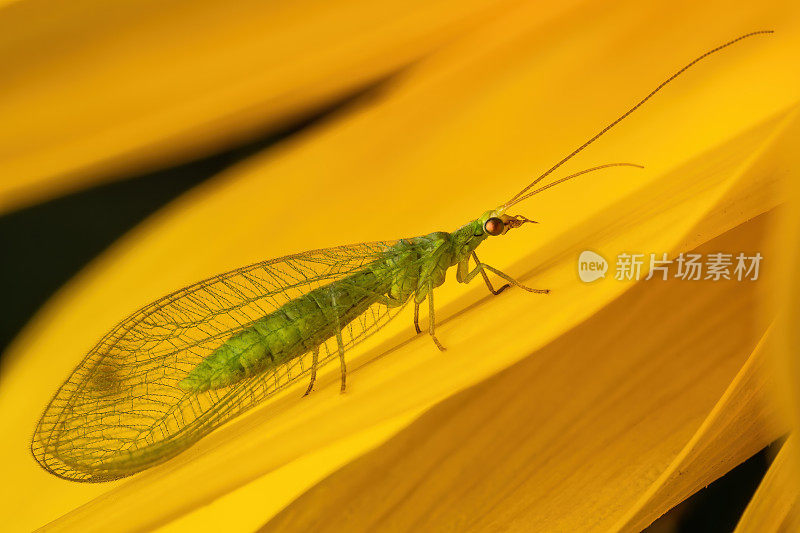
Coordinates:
774 506
568 438
380 391
742 422
93 93
541 443
452 140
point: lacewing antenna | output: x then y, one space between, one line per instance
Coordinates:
562 180
625 115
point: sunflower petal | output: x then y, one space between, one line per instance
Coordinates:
92 93
774 506
463 126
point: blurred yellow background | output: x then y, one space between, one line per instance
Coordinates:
477 98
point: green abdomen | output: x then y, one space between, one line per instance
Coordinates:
299 326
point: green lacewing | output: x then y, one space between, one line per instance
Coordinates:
180 367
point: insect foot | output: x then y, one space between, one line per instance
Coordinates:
438 344
537 291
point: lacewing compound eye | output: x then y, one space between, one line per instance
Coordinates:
494 226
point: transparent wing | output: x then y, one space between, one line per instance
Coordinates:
121 410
